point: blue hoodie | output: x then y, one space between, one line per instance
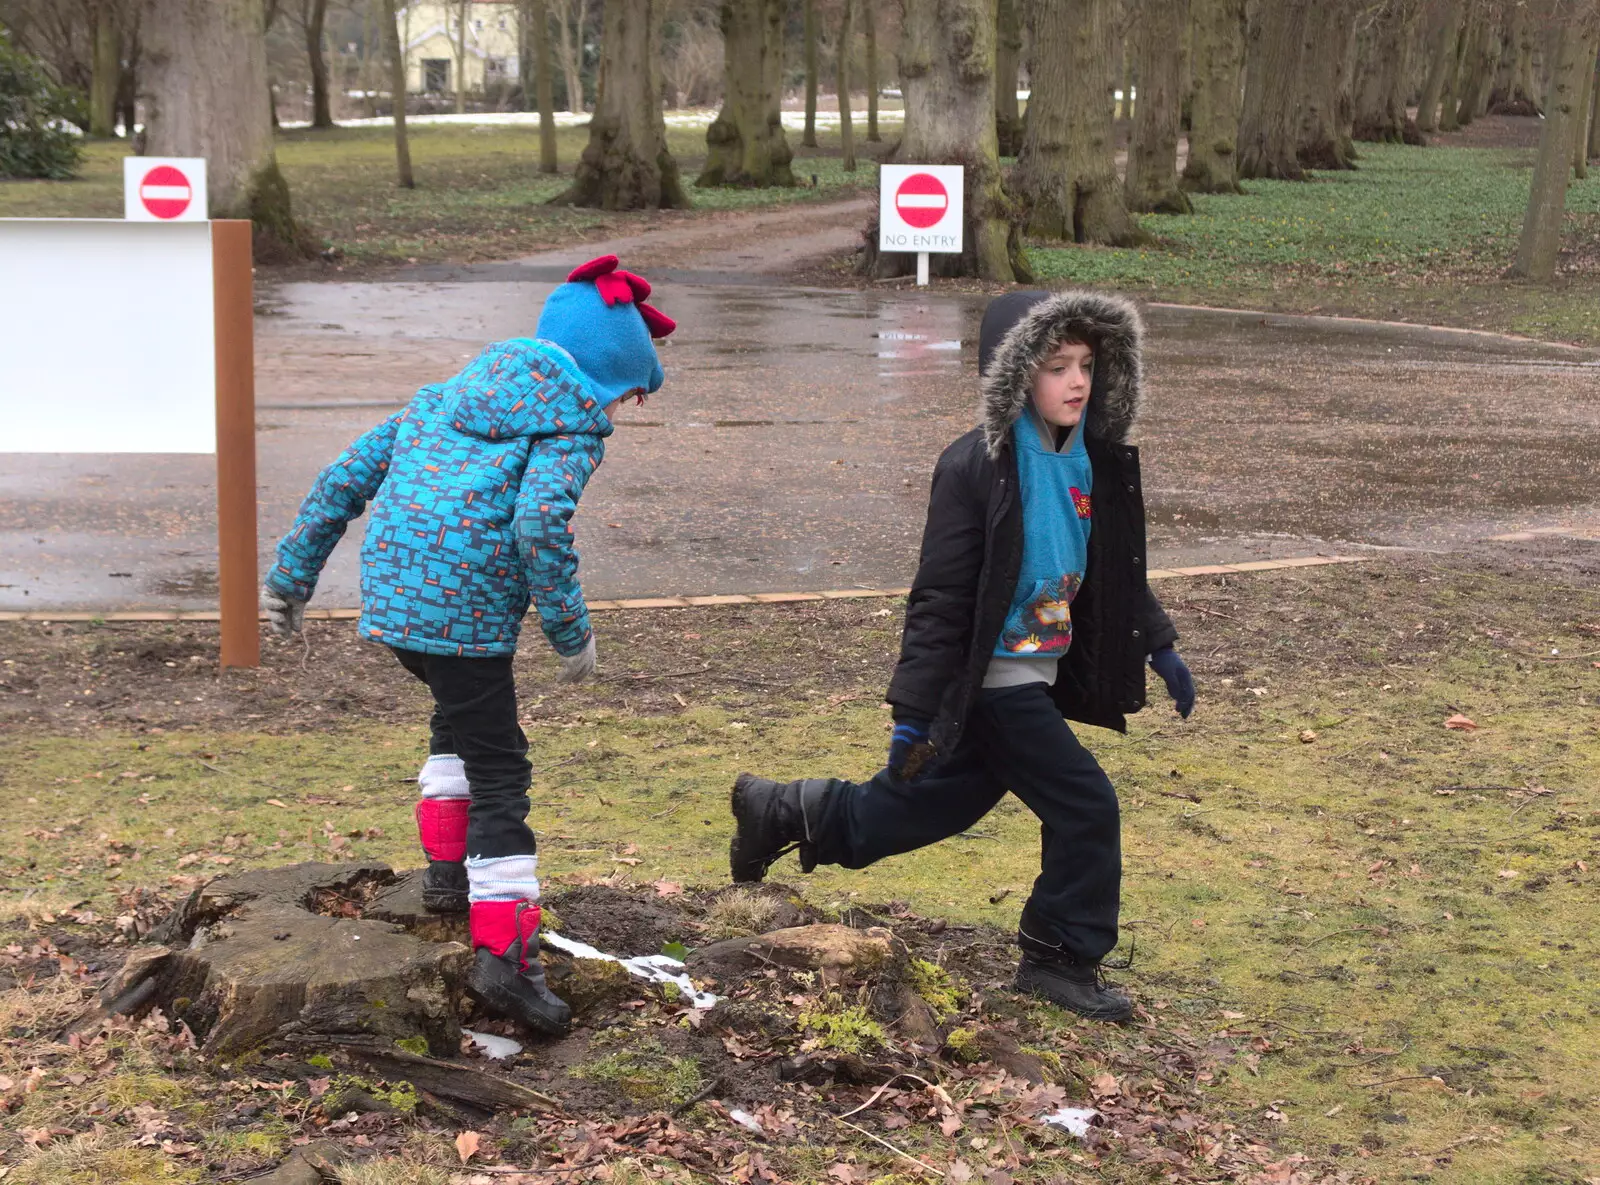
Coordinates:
472 487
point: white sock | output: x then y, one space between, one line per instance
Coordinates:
444 775
503 878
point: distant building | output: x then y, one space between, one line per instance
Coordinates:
429 30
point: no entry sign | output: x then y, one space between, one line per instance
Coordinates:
920 208
164 189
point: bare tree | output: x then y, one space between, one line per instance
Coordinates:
809 139
1152 180
1066 174
571 25
869 19
1594 112
947 78
1570 51
1325 102
1515 90
627 165
1217 38
460 49
1444 33
1476 72
106 70
206 78
745 144
1269 123
1580 120
311 17
1007 61
537 66
395 57
847 132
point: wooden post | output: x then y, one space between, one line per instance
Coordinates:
233 290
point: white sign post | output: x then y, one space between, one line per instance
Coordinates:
118 337
164 189
920 209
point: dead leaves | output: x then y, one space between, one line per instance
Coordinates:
467 1145
1460 723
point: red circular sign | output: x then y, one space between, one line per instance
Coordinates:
921 200
165 191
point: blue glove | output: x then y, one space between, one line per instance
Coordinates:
909 748
1175 673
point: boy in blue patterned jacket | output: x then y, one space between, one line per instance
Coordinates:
472 486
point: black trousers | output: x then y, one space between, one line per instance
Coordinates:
1016 741
475 717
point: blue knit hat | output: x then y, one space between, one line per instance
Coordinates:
600 318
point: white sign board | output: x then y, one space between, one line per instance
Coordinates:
107 335
164 189
920 208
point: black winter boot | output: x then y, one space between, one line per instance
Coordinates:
1049 972
507 977
444 886
772 819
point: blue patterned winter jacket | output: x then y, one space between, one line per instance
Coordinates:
472 487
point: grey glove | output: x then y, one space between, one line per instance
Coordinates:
575 668
285 615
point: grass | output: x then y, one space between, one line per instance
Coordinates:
1399 916
1413 233
479 194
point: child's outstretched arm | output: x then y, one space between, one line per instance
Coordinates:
543 524
340 493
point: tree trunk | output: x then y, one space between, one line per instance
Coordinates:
1580 118
1594 112
1007 58
545 84
1269 123
1450 94
1477 71
1066 174
1513 89
105 72
627 165
1152 182
460 48
572 55
745 145
1441 60
1381 84
321 110
809 140
1570 52
395 58
947 77
206 82
1329 42
1218 52
847 132
870 26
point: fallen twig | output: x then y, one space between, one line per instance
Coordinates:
878 1094
1405 1078
900 1152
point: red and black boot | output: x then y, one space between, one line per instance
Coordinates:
442 827
507 977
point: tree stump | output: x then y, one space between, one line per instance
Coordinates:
285 951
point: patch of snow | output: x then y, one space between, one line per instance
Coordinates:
655 968
1072 1120
493 1046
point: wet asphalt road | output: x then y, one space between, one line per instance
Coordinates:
792 445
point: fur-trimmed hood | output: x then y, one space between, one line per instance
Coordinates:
1021 329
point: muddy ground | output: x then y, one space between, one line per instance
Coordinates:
901 1045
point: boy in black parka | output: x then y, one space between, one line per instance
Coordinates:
1030 607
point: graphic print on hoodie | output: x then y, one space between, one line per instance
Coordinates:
1055 488
473 486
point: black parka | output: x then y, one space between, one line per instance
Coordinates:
972 544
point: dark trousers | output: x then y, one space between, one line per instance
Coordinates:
475 717
1016 740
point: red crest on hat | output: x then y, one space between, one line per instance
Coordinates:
619 287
